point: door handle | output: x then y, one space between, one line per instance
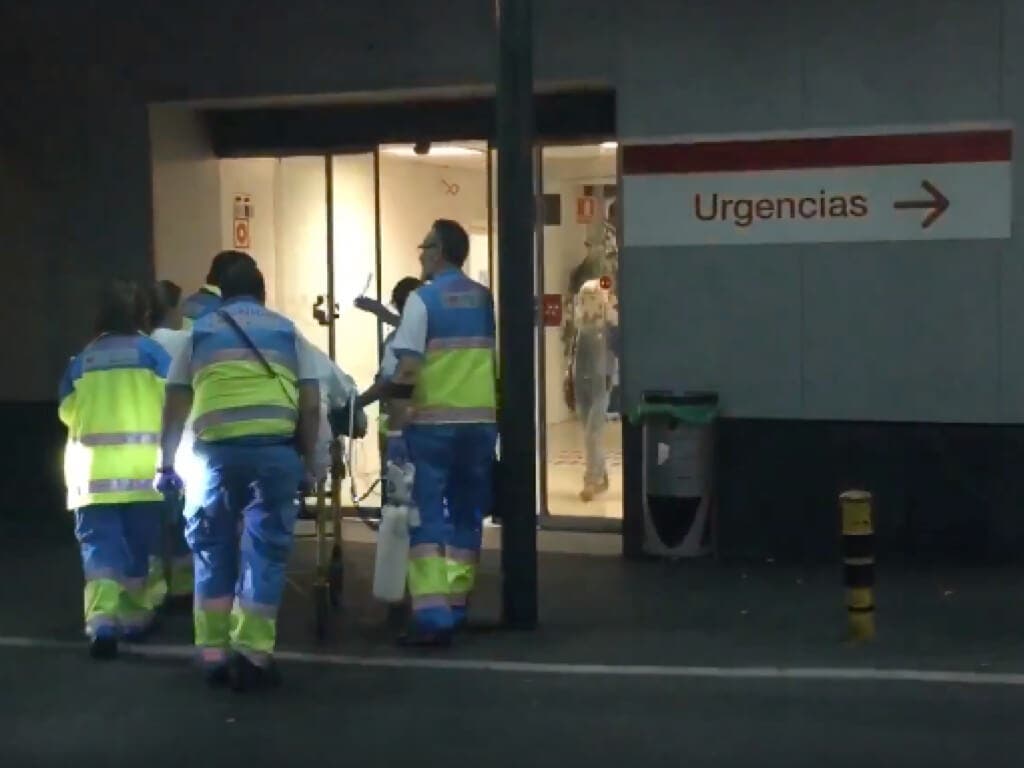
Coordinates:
321 313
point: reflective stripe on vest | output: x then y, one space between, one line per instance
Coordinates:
120 438
119 486
245 355
455 415
245 413
235 396
456 383
461 342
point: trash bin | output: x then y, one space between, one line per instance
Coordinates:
678 472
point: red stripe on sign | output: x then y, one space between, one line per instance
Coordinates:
824 152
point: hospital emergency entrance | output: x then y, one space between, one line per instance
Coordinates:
333 200
328 228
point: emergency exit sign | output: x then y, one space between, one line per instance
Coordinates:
936 184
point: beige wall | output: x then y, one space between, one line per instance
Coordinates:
413 194
254 177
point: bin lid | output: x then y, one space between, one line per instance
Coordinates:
696 408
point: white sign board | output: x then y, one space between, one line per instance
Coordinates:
941 185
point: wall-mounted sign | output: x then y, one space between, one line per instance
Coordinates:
586 207
243 207
241 230
242 234
927 185
552 309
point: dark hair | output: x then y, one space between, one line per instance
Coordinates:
223 262
454 241
404 287
243 279
164 296
122 308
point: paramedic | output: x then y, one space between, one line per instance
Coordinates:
249 380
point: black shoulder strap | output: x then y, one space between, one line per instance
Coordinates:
224 315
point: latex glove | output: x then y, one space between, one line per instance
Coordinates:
169 483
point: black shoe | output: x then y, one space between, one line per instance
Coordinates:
103 647
246 676
418 638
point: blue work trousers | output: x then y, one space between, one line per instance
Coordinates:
240 526
454 468
116 542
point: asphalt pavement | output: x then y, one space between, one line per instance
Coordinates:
634 663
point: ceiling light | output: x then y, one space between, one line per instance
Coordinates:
435 151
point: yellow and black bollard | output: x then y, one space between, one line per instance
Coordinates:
859 562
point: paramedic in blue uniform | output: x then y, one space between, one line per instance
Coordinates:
442 418
249 380
208 298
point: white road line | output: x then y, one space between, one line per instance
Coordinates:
820 674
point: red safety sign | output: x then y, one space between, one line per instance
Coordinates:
585 209
242 234
552 310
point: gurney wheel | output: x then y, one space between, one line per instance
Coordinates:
335 577
321 610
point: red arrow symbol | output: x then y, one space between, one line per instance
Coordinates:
938 204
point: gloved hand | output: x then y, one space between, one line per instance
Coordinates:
307 485
168 483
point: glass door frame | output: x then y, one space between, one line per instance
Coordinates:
331 293
545 518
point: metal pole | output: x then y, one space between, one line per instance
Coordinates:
329 201
516 295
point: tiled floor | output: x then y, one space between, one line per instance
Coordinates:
565 464
565 467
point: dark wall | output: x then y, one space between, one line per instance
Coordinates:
31 484
943 493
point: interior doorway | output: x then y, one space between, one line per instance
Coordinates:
330 228
579 345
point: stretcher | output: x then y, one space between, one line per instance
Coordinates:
328 572
328 575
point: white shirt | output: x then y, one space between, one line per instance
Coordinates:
336 389
336 386
411 336
171 340
388 359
